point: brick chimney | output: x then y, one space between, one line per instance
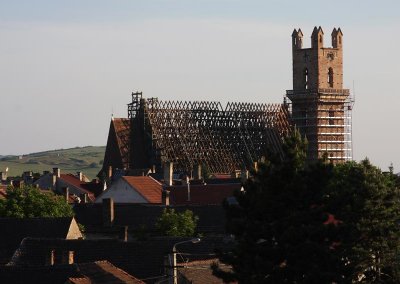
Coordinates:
56 172
110 172
84 197
79 175
108 212
123 234
50 258
165 197
67 257
168 171
66 193
197 172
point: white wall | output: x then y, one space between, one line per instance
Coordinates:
121 192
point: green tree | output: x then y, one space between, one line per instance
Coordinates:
314 223
367 203
27 202
176 224
279 223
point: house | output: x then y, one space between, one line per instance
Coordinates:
143 259
77 185
77 273
14 230
133 189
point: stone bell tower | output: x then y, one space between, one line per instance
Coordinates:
321 108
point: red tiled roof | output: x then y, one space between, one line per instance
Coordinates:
201 194
74 181
102 272
200 272
3 192
122 131
146 186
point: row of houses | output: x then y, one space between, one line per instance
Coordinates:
119 244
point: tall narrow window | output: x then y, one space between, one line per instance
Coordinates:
306 78
330 77
331 117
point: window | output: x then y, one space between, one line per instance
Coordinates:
306 78
340 40
330 77
320 38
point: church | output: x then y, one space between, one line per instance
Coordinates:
233 137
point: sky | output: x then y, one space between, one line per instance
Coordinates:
67 66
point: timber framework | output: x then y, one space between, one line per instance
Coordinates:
189 133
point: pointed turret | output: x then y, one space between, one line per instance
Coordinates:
317 38
337 38
297 39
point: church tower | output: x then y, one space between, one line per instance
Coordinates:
321 108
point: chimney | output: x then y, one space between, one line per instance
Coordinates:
188 188
67 257
108 212
110 172
84 197
165 197
56 172
244 175
123 234
197 172
153 169
255 166
168 171
66 193
79 175
50 258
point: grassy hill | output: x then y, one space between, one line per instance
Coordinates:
86 159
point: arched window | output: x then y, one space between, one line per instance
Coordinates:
340 40
320 38
330 77
306 78
331 117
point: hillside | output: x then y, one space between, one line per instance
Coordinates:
86 159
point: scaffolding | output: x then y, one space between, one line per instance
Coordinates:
189 133
324 117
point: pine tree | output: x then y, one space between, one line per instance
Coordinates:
279 223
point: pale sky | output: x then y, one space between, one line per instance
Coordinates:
66 66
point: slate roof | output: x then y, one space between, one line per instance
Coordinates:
144 259
14 230
146 186
202 194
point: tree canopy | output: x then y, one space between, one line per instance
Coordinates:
176 224
28 202
314 223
